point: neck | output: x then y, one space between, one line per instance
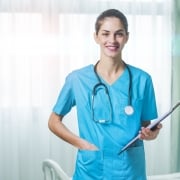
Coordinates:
110 66
110 70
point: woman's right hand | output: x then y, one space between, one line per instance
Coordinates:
57 127
85 145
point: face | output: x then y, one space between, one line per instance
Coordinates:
111 37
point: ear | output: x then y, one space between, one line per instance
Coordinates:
127 37
96 38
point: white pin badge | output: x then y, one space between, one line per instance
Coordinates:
129 110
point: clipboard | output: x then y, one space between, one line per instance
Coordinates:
152 126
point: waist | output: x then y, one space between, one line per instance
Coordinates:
114 151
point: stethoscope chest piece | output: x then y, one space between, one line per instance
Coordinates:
129 110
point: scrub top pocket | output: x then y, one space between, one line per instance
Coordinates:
89 165
135 163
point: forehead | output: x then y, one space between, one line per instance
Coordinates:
111 23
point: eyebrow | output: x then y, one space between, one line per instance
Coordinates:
120 30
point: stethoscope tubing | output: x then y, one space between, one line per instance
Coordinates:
100 83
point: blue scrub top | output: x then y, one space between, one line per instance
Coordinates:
109 137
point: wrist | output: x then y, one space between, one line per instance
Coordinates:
85 145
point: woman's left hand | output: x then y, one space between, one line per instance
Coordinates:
147 134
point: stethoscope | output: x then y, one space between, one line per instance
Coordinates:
128 109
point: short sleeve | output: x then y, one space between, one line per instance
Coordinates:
66 98
149 109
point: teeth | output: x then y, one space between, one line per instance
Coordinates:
112 47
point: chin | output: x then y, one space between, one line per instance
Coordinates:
113 56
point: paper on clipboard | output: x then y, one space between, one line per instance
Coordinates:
152 126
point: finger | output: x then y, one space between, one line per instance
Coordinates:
159 126
143 134
146 132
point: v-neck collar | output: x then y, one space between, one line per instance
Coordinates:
101 79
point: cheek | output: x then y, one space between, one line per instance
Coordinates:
101 41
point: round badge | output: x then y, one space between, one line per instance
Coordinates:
129 110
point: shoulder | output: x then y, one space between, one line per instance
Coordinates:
138 72
83 72
84 69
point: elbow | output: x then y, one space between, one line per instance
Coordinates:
53 121
50 124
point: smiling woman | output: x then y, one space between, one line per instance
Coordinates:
111 39
41 42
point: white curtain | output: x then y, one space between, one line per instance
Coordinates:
41 41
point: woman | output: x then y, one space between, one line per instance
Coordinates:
114 101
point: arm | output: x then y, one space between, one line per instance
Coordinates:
146 133
59 129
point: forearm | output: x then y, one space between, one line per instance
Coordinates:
59 129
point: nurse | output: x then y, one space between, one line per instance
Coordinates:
115 101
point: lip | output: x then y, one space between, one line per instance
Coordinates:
112 47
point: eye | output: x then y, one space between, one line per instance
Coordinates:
120 34
105 34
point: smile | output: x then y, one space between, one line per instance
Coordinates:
112 48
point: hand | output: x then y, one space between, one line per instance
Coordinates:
147 134
85 145
92 147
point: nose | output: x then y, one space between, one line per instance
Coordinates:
112 38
